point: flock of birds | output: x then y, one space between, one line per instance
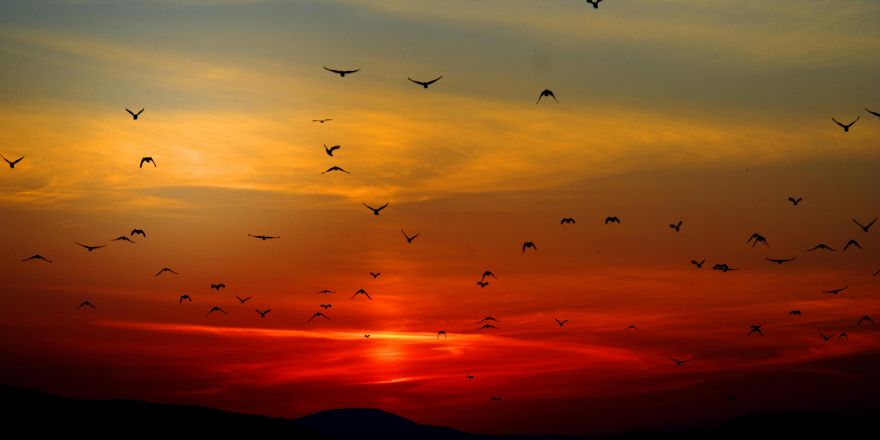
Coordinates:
488 323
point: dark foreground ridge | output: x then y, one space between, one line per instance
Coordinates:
34 413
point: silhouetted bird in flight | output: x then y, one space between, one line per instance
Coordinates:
376 210
335 168
851 243
321 120
367 336
441 332
327 291
89 248
566 220
375 274
487 326
835 291
242 300
612 220
134 115
138 232
330 150
826 338
469 377
795 201
867 227
723 267
425 84
699 264
147 159
872 112
755 328
325 306
843 335
561 323
595 3
865 318
482 283
527 245
676 226
216 309
488 273
678 362
264 237
37 257
123 238
488 318
218 286
780 260
795 312
263 313
184 298
546 92
341 73
408 238
757 238
495 399
165 269
821 246
12 163
632 327
85 304
362 292
846 127
318 315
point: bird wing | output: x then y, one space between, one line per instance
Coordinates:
138 113
331 70
435 79
130 112
417 82
838 122
384 206
860 225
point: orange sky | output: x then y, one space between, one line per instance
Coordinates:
672 110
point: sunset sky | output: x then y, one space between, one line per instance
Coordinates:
709 112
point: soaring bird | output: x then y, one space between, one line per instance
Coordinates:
183 298
757 238
264 237
330 150
12 163
488 318
362 292
375 274
325 306
865 318
216 309
495 399
263 313
613 219
218 286
441 332
755 328
527 245
826 338
867 227
318 315
835 291
487 326
367 336
561 323
488 273
327 291
37 257
425 84
566 220
873 112
147 159
85 304
321 120
376 210
546 92
795 312
846 127
723 267
469 377
89 248
138 232
699 264
242 300
821 246
134 115
123 238
677 226
335 168
678 362
843 335
408 238
341 73
165 269
795 201
595 3
632 327
851 243
482 283
780 260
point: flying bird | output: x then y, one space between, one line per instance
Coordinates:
138 232
425 84
469 377
325 306
835 291
165 269
37 257
367 336
86 304
487 326
757 238
843 335
240 299
632 327
264 237
826 338
678 362
495 399
482 283
89 248
699 264
488 273
795 201
376 210
12 163
821 246
341 73
321 120
873 112
723 267
329 150
326 291
851 243
865 318
123 238
527 245
147 159
867 227
595 3
780 260
546 92
318 315
561 323
755 328
216 309
362 292
375 274
441 332
134 116
184 298
408 238
335 168
677 226
566 220
795 312
218 286
846 127
613 219
488 318
263 313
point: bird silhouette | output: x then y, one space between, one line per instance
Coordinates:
843 335
835 291
723 267
757 238
242 300
826 338
482 283
375 274
367 336
441 332
134 116
216 309
632 327
12 163
566 220
327 291
595 3
846 127
495 399
376 210
408 238
795 312
362 292
425 84
561 323
488 327
755 328
821 246
321 120
527 245
263 313
123 238
89 248
85 304
780 260
867 227
147 159
165 269
218 286
325 306
865 318
546 92
678 362
851 243
676 226
318 315
469 377
184 298
264 237
795 201
138 232
488 318
488 273
335 168
613 219
330 150
872 112
341 73
699 264
37 257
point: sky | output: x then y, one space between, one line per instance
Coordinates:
712 113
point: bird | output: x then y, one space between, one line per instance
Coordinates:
873 112
341 73
12 163
89 248
321 120
877 273
184 297
826 338
755 328
441 332
595 3
867 227
37 257
561 323
794 312
218 286
780 260
375 274
408 238
495 399
632 327
846 127
362 292
425 84
86 304
242 300
335 168
488 318
165 269
757 238
138 232
699 264
865 318
835 291
851 243
822 246
147 159
795 201
367 336
723 267
488 273
318 315
678 362
487 326
613 219
216 309
546 92
469 377
527 245
264 237
123 238
676 226
376 210
482 283
843 335
566 220
325 306
329 150
134 116
327 291
263 313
